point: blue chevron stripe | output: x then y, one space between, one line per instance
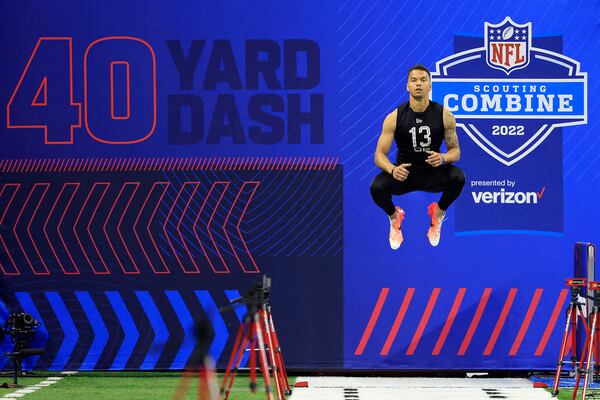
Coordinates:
129 328
161 333
240 311
41 335
218 325
100 332
187 323
68 326
3 312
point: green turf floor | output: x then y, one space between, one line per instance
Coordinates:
147 386
566 393
126 386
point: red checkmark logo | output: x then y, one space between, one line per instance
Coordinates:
541 192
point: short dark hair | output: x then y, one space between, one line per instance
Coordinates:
419 67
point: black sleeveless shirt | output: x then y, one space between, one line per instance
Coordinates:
417 133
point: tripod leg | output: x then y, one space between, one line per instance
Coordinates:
583 318
574 358
17 370
263 360
238 359
253 356
283 379
563 347
279 356
590 351
282 370
234 351
580 369
272 354
595 368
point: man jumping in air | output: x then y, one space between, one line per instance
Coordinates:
418 128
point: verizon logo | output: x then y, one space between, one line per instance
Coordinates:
504 197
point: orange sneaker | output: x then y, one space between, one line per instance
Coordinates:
435 229
396 237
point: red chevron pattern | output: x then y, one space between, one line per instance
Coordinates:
99 265
157 267
244 199
128 266
29 208
71 267
181 202
7 195
125 227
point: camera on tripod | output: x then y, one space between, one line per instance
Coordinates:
21 326
257 296
257 335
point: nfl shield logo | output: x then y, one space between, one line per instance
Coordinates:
507 45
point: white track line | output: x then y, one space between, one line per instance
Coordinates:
20 393
340 388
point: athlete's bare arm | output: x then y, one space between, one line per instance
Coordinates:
384 144
450 137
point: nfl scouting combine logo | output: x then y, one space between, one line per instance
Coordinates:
509 95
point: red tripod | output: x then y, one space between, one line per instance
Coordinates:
574 314
590 349
257 329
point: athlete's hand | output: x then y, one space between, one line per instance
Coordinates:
434 159
401 172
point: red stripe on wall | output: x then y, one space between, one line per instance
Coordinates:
372 321
501 320
449 321
475 322
397 322
552 322
525 325
423 323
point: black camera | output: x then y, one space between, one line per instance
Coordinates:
20 326
260 293
255 298
20 323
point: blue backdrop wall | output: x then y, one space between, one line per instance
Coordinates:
156 160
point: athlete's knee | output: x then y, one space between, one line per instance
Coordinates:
457 178
378 187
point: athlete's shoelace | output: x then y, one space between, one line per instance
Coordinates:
438 226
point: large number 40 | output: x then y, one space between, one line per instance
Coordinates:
119 86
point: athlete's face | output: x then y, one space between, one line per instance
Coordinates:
419 84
